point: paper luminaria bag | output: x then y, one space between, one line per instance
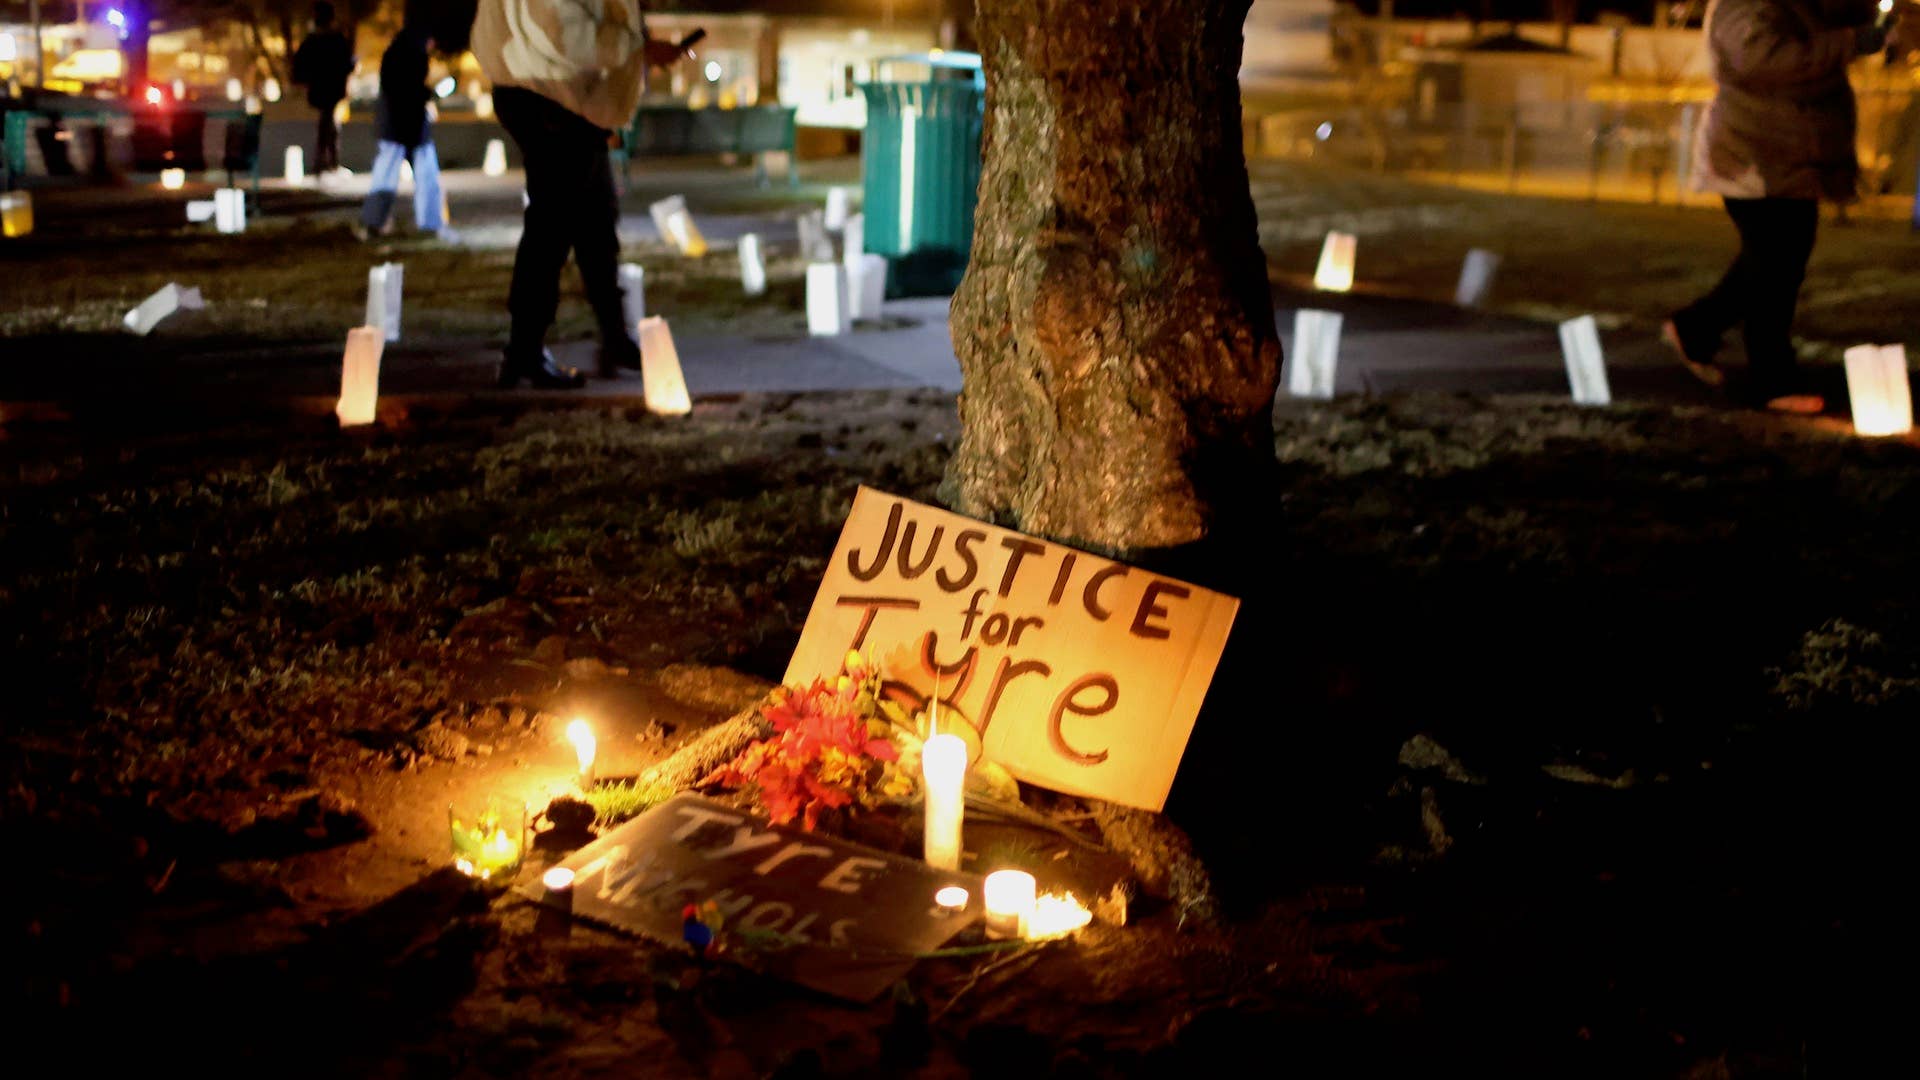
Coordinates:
662 381
633 292
867 286
1879 389
1586 364
360 376
1075 672
1316 352
753 268
1335 272
386 288
829 307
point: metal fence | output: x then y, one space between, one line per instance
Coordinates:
1618 151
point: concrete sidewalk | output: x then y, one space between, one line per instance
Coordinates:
1387 345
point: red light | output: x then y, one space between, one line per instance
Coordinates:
155 96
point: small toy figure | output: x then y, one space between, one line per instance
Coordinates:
700 927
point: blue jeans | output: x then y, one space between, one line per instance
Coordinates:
386 186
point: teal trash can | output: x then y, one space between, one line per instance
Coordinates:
920 168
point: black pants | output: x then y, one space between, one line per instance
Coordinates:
326 143
571 206
1760 290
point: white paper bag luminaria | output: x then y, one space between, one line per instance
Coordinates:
168 299
662 381
230 210
676 226
495 162
853 239
360 376
1879 390
296 165
1315 355
1476 277
815 244
16 213
385 290
753 268
173 179
633 292
1335 272
199 211
839 203
1586 364
829 308
867 286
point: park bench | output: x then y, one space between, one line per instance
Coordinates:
673 130
240 153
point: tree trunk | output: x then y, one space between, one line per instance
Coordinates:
1115 326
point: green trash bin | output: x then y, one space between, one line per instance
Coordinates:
920 169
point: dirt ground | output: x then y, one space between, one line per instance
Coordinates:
1550 741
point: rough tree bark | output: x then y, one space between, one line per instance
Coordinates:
1115 326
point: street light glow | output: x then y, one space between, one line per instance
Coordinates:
713 71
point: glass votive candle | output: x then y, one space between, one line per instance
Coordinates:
489 843
951 900
1010 898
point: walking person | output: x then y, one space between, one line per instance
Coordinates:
562 107
1778 139
322 64
406 135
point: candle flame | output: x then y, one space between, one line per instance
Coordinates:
1057 914
581 736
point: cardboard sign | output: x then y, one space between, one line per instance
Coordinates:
1077 673
849 920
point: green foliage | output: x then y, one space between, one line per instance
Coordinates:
615 803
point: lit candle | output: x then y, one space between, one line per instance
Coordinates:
581 736
173 179
943 762
558 879
1057 914
485 847
952 900
1010 903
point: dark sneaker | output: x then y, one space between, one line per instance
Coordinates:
617 355
541 371
1693 355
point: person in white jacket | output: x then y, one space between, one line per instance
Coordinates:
1778 139
566 75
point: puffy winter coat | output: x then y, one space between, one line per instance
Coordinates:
1782 120
587 55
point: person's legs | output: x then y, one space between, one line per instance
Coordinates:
384 186
428 204
536 126
1778 234
534 295
596 250
1698 329
326 150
